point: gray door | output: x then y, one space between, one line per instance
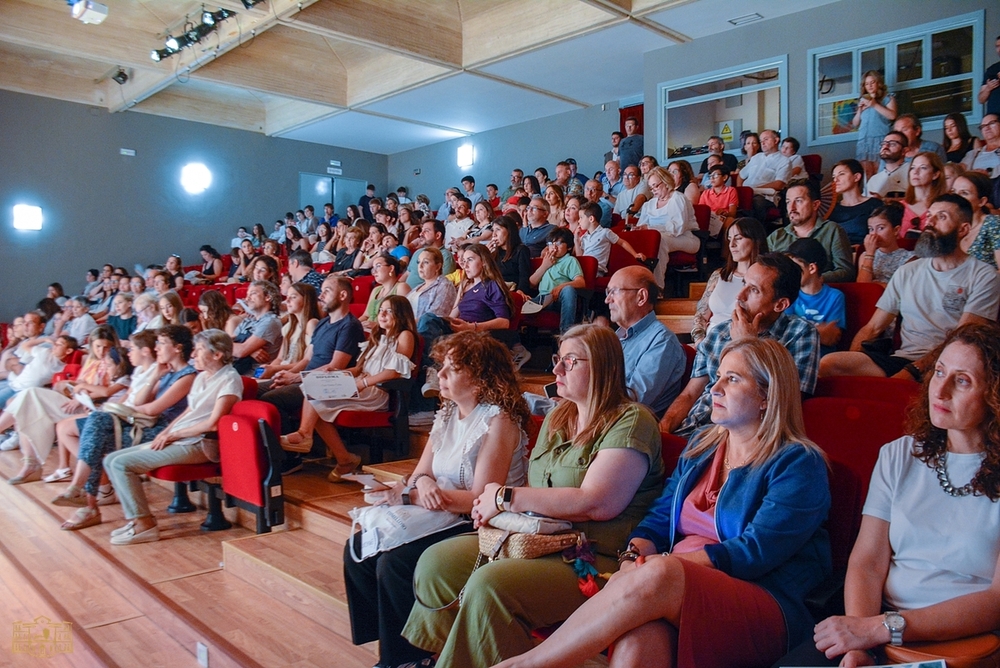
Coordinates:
315 189
345 192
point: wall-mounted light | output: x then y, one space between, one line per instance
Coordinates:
27 217
466 155
196 178
88 11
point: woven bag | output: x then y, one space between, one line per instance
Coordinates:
500 544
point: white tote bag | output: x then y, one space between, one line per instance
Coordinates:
385 527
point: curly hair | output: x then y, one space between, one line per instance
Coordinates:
931 442
490 369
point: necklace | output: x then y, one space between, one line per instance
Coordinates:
942 475
725 462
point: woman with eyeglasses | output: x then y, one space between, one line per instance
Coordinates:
986 158
596 464
717 572
671 214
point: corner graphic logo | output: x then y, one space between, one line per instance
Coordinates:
42 638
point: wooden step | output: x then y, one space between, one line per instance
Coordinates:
696 290
678 324
298 568
396 471
676 307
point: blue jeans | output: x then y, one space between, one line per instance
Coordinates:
6 392
567 304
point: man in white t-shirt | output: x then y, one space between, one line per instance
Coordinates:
893 177
634 193
459 227
944 289
767 172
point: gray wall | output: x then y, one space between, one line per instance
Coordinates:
584 134
100 206
794 35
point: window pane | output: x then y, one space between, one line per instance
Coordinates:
910 61
835 75
951 52
936 100
690 126
873 60
719 85
834 118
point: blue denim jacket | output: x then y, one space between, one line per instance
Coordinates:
770 522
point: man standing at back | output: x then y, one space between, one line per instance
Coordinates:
631 148
616 138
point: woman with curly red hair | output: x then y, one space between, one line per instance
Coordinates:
925 564
478 438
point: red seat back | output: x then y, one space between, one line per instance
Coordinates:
813 163
242 453
671 447
363 286
69 372
859 305
690 352
249 388
850 432
646 242
703 214
895 390
744 198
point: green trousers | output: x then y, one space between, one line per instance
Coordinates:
502 603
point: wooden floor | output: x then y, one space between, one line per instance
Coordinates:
254 601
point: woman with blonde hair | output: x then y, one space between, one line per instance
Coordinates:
670 213
478 438
876 110
596 464
927 181
717 572
170 308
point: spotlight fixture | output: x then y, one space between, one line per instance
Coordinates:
214 18
88 11
249 4
120 77
159 54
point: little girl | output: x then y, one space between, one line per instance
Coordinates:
883 256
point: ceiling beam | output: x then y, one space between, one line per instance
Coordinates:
287 115
231 34
35 72
283 62
421 29
206 106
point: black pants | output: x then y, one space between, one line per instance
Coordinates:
288 400
806 654
380 595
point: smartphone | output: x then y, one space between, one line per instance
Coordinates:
551 391
367 481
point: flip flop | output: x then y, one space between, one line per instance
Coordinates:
81 519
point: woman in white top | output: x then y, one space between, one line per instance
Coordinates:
190 439
928 553
986 158
746 239
303 316
670 213
388 356
478 438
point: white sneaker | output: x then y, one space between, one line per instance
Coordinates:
11 443
521 355
431 388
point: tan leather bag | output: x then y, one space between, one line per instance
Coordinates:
982 651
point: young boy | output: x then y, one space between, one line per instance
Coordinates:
492 196
790 149
720 198
818 303
596 241
558 278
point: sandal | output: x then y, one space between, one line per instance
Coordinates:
303 445
30 472
59 475
81 519
340 470
73 496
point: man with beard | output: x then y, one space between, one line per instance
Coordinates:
894 176
803 212
334 347
935 294
770 287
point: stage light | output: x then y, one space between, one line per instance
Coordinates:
27 217
214 18
160 54
120 77
89 12
249 4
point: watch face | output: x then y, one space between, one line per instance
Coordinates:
894 621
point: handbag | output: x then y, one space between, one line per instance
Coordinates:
981 651
130 415
386 527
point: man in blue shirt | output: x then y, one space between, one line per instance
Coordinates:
535 233
654 358
770 286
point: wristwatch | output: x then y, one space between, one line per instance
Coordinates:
406 495
503 497
896 625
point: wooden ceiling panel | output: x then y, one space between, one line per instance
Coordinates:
37 72
284 115
207 103
429 30
496 33
285 62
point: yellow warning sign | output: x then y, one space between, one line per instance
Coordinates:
726 133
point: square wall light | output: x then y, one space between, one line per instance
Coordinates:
27 217
466 155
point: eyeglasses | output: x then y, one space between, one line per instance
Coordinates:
614 292
983 126
568 361
554 242
891 142
535 208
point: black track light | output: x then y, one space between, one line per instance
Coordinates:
215 18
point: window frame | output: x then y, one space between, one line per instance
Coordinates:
664 89
889 42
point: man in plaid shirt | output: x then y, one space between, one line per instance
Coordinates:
770 287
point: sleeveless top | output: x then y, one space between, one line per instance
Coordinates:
456 442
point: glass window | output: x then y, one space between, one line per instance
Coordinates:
930 69
724 103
